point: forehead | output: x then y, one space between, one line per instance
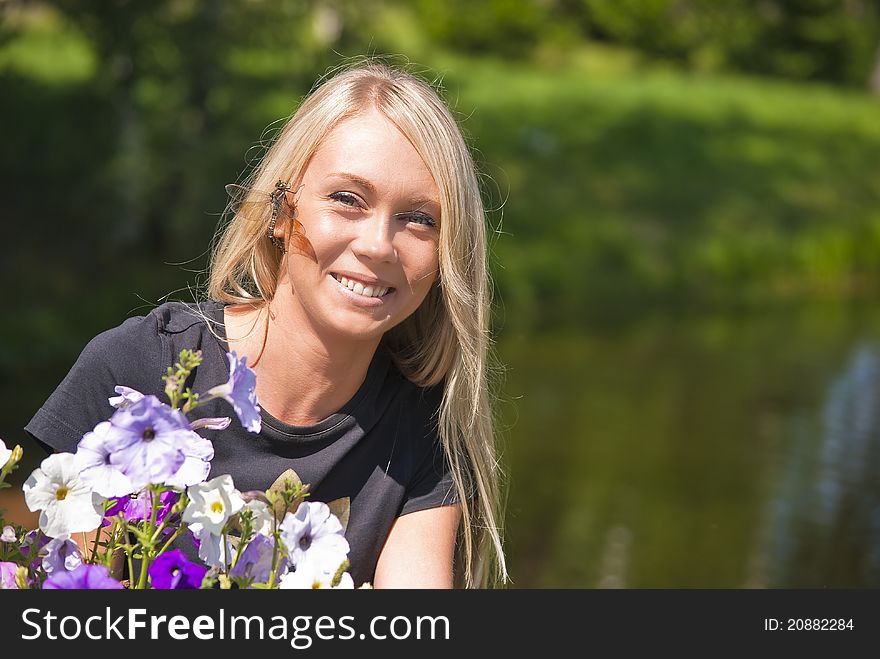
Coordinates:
371 147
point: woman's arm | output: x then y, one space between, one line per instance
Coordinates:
419 550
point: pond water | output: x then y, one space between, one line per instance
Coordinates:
724 451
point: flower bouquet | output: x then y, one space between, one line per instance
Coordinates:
135 491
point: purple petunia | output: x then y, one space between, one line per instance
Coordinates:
117 505
139 509
240 391
85 577
150 442
255 562
92 460
62 555
27 544
172 571
126 396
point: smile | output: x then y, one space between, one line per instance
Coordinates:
361 288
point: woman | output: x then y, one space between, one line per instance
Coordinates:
359 294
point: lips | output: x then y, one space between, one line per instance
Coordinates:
364 288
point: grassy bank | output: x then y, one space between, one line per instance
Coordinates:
623 186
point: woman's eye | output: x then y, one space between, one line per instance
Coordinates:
419 218
345 198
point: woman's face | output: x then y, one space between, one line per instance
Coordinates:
371 211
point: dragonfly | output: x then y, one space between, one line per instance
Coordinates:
279 201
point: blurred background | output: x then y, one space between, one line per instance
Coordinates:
686 203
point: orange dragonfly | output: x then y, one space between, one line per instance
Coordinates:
281 205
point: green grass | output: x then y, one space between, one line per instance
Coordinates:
629 185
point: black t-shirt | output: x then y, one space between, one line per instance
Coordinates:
382 449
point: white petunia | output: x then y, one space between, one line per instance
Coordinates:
211 546
212 503
68 505
5 454
312 575
314 534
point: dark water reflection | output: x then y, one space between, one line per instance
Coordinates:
736 450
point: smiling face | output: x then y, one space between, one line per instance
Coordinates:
370 209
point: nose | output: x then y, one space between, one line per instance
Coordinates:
375 239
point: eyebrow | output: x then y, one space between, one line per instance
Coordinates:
364 183
354 178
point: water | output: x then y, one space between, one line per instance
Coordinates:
729 451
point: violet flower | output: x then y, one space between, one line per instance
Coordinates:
62 555
150 441
172 571
211 423
117 506
140 508
255 562
92 460
85 577
126 396
27 544
240 391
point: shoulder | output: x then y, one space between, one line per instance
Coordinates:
420 405
176 317
165 319
142 344
414 417
133 354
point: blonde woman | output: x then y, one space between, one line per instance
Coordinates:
354 280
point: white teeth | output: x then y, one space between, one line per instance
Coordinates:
360 289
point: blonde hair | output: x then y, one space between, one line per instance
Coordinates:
446 340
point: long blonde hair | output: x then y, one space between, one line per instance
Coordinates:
446 340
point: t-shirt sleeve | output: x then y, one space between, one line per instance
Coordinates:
126 355
431 485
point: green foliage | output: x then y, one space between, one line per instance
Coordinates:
625 191
830 40
504 27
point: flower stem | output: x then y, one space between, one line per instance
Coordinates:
147 552
129 552
173 538
95 545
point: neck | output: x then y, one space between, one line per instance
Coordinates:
302 375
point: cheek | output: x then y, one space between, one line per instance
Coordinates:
423 267
327 240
